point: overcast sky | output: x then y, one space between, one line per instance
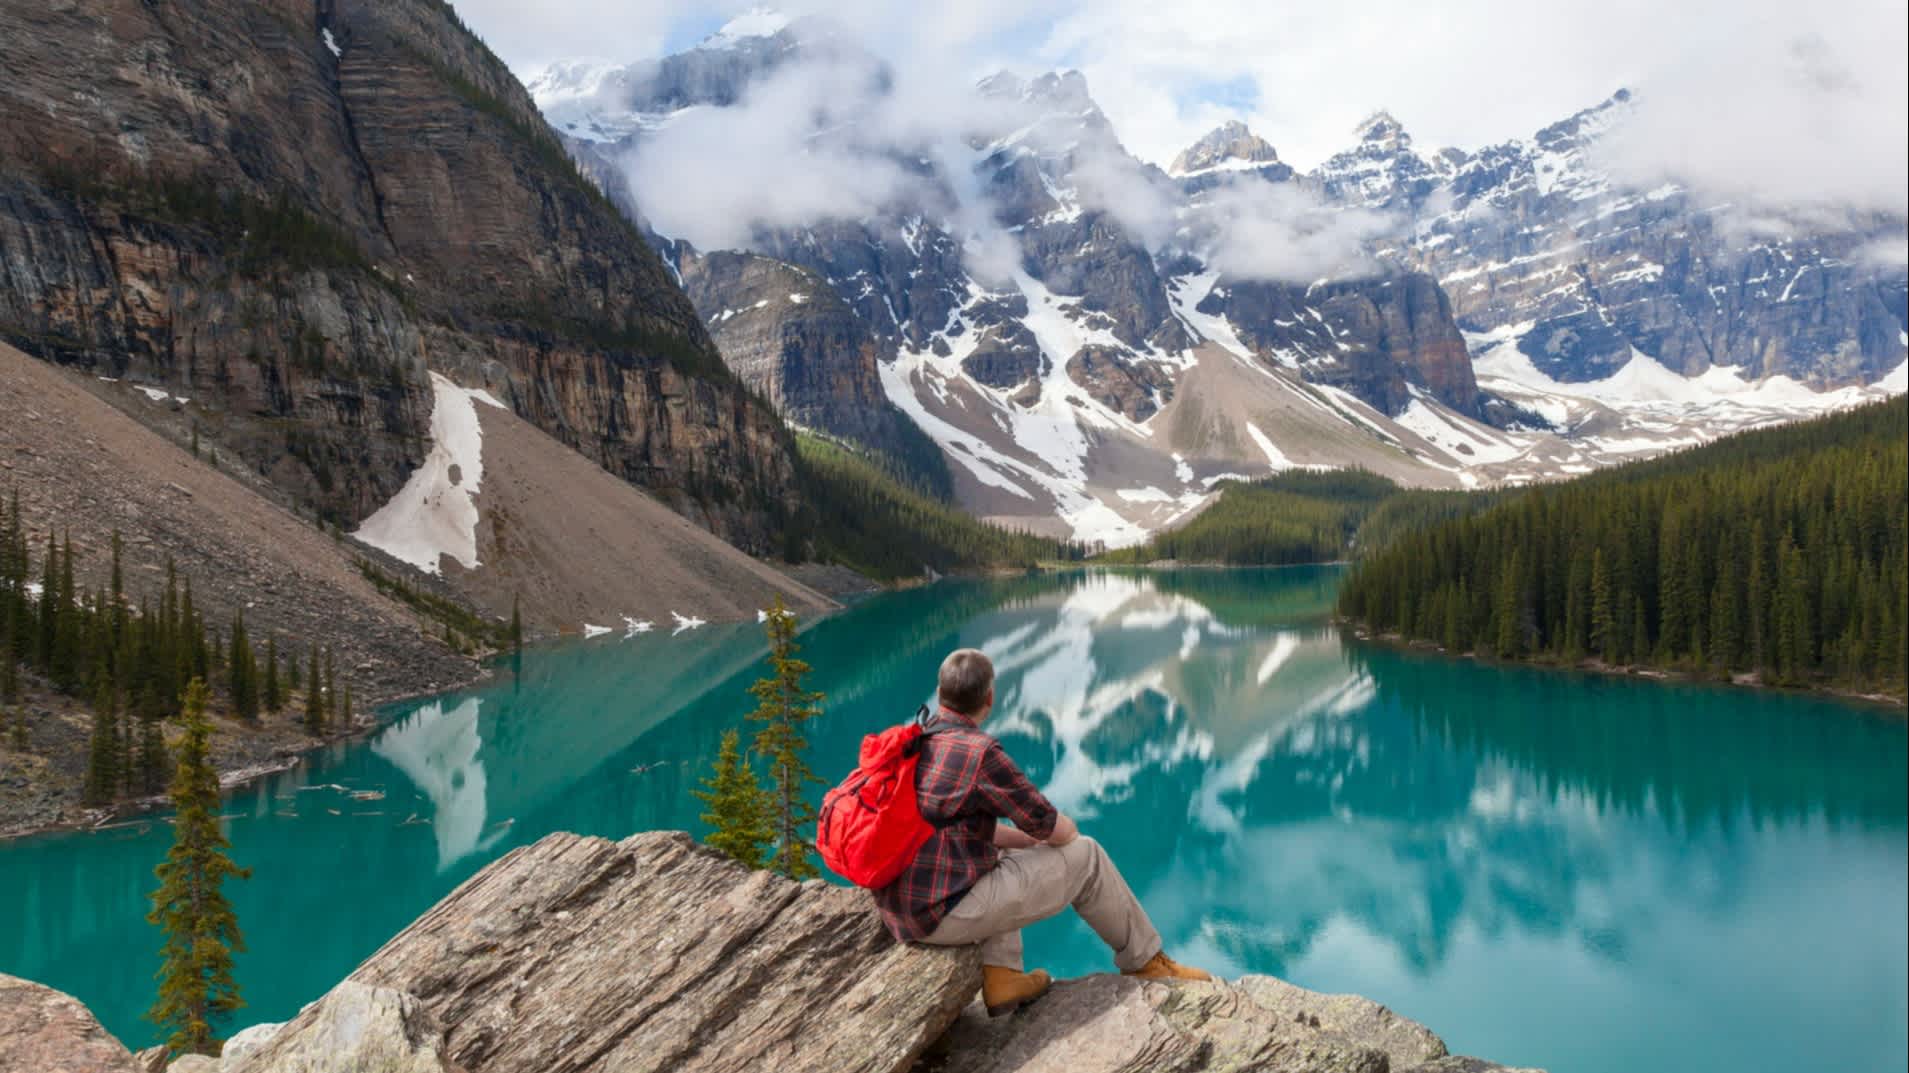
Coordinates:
1807 91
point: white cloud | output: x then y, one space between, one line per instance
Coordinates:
1268 231
793 151
1801 120
1141 199
1773 99
1761 100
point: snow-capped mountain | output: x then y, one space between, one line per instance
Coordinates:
1093 343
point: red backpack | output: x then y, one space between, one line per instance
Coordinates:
870 828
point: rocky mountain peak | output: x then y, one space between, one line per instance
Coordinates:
1381 128
569 78
1230 143
1053 90
1586 125
753 24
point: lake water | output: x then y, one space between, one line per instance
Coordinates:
1575 872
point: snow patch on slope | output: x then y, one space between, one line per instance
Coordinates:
1274 456
1186 293
756 22
1645 384
433 515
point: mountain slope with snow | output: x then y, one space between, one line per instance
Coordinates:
1091 341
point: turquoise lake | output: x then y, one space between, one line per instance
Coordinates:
1575 872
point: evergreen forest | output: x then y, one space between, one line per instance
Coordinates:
1780 553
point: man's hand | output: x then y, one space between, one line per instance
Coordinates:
1064 831
1006 837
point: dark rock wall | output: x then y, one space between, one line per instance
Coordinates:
205 197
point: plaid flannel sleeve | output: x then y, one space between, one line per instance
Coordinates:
1009 793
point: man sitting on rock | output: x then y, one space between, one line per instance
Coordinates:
976 882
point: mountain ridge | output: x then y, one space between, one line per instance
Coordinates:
1062 285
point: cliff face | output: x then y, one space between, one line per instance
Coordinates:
787 334
1377 338
289 211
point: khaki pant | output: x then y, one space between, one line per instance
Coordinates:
1030 885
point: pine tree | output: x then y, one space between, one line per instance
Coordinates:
243 672
344 709
738 813
1603 613
1762 652
152 757
103 776
274 693
516 627
783 704
314 700
9 670
196 987
1726 637
49 602
331 694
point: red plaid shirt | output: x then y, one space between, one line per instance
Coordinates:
963 783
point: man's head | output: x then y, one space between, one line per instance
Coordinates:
967 683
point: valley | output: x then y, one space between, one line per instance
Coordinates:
436 467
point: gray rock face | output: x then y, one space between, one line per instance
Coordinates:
1230 143
788 334
1377 338
658 954
245 1041
46 1031
1406 1043
291 237
1114 1024
1133 389
354 1027
1227 153
1534 230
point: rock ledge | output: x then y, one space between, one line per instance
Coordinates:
581 955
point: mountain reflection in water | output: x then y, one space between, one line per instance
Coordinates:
1549 868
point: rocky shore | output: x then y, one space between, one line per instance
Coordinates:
654 953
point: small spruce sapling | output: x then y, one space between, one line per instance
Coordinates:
738 807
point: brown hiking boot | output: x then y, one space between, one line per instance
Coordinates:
1162 967
1005 990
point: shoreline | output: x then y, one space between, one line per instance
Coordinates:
1177 564
1896 706
232 779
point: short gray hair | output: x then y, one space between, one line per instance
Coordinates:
967 677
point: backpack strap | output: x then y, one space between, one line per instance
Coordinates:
924 718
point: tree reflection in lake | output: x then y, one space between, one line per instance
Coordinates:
1550 868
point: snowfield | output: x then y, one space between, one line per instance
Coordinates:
434 514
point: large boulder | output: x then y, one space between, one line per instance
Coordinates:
355 1027
1115 1024
46 1031
244 1042
581 955
655 953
